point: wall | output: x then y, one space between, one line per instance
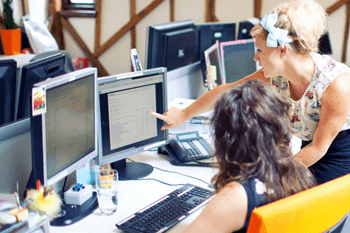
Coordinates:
115 14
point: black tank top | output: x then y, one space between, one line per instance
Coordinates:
256 191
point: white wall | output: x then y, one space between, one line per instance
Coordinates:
115 14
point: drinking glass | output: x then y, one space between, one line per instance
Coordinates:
107 190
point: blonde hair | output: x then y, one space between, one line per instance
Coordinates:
305 20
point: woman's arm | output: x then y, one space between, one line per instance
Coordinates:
174 117
334 112
226 212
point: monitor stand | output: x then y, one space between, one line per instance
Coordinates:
73 213
131 171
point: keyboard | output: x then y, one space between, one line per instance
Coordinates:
166 212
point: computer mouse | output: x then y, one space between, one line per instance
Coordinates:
6 218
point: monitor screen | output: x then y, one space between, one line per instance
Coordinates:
171 45
8 74
126 126
207 34
212 57
237 59
34 72
15 154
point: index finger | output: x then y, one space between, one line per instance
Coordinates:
160 116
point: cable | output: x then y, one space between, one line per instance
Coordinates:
161 182
64 185
192 177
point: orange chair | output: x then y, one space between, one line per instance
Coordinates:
324 208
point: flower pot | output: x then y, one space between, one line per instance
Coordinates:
11 41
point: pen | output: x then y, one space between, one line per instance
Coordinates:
17 199
16 195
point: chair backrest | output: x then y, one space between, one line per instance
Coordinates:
323 208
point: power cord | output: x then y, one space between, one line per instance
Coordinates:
163 170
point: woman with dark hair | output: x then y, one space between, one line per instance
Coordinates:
252 132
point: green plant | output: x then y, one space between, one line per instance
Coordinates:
8 14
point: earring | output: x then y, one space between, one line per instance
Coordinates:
282 55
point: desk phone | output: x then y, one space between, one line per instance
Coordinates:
188 147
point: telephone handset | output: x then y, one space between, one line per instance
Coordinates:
188 147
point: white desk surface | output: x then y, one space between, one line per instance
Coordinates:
134 195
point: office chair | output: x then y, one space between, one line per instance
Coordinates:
324 208
68 66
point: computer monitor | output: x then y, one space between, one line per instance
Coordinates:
34 72
208 33
171 45
8 74
324 46
15 154
238 59
244 28
126 127
64 132
212 57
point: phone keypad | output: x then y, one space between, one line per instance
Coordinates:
197 150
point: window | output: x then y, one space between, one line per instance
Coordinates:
79 4
82 1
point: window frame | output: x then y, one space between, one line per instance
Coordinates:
68 5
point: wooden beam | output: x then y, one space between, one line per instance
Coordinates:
346 33
172 10
98 9
336 6
210 11
133 29
257 8
101 70
127 27
25 7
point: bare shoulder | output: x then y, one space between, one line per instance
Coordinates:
230 201
340 85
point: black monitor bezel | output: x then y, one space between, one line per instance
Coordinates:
205 41
26 79
155 41
8 91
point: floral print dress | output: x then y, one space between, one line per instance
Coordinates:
305 112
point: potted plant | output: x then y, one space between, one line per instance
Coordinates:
11 36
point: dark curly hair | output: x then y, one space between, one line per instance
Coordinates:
251 131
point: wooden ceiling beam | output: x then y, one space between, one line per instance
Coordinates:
336 6
127 27
101 70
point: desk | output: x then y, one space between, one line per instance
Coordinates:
135 195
